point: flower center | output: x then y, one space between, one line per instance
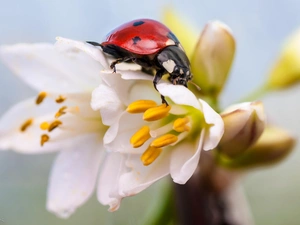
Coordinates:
163 128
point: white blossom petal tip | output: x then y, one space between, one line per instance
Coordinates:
95 52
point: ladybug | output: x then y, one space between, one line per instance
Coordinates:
151 45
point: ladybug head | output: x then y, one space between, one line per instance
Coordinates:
181 76
174 60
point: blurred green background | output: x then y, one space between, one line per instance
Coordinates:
260 27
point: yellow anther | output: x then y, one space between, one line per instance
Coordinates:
180 124
140 137
61 112
60 99
44 126
40 98
156 113
44 139
26 124
140 106
54 124
150 155
164 140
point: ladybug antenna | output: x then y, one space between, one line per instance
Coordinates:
198 88
93 43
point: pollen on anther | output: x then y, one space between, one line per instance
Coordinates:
164 140
40 98
60 99
44 125
54 125
140 106
140 137
61 112
44 139
150 155
156 113
26 124
180 124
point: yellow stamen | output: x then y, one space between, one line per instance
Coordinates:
60 99
44 139
140 106
140 137
157 112
61 112
180 124
54 124
26 124
40 97
150 155
164 140
44 126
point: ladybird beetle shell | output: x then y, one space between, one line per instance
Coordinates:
151 45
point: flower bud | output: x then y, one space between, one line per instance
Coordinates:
243 123
286 71
212 58
273 146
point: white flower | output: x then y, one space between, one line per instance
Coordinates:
155 140
60 118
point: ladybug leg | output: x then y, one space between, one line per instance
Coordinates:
156 79
117 61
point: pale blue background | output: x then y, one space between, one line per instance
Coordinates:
259 27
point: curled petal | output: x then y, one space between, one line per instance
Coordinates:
179 95
185 159
215 127
108 186
140 177
106 100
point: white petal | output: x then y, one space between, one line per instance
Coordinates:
184 160
95 52
45 68
117 137
179 94
216 130
105 99
135 75
111 134
141 177
108 187
73 176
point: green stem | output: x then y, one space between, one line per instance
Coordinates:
215 103
164 213
256 94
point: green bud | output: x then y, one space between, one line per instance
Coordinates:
212 58
273 146
243 125
286 71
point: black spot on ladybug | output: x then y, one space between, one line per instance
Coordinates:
138 23
173 37
136 39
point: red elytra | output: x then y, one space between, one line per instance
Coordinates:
142 37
